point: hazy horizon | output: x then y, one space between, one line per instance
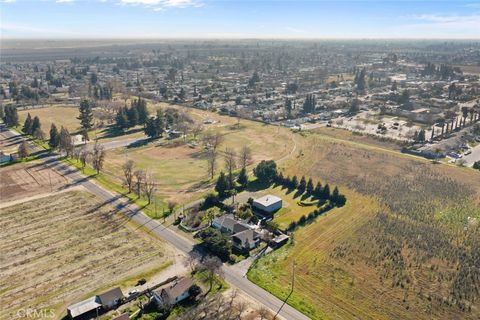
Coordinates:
267 19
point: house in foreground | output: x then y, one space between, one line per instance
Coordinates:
172 294
89 308
268 203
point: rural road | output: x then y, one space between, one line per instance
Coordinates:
231 274
472 157
109 145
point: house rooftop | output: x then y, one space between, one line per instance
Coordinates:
110 296
177 288
83 307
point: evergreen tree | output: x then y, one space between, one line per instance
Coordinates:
11 116
310 186
121 119
36 125
54 137
334 195
303 184
326 192
27 125
243 177
294 182
222 185
132 115
142 111
318 190
86 115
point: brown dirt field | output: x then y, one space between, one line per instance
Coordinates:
62 248
25 180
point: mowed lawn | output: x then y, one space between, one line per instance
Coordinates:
290 211
58 250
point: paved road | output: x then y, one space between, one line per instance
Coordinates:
181 243
474 156
114 144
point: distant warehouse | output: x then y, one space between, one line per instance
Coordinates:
268 203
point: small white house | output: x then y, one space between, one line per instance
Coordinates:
268 203
173 294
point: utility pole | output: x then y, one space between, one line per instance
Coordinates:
291 291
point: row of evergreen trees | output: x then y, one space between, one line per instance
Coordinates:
9 115
318 191
33 127
136 114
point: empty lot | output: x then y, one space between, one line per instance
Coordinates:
26 180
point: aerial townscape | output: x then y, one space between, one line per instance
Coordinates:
266 166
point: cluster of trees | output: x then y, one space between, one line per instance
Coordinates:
309 104
103 92
139 181
216 243
33 127
443 71
419 136
359 79
228 183
10 116
136 114
155 126
310 217
253 80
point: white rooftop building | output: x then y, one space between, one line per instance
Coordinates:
268 203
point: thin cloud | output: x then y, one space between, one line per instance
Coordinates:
64 1
160 5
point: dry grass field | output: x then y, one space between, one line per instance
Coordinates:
181 171
57 250
403 247
61 116
26 180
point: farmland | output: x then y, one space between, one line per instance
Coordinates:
26 180
402 246
62 248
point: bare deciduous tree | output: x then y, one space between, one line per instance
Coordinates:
139 177
83 157
211 163
213 266
23 150
98 157
128 174
149 186
230 165
245 156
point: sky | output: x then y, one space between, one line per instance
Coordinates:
310 19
